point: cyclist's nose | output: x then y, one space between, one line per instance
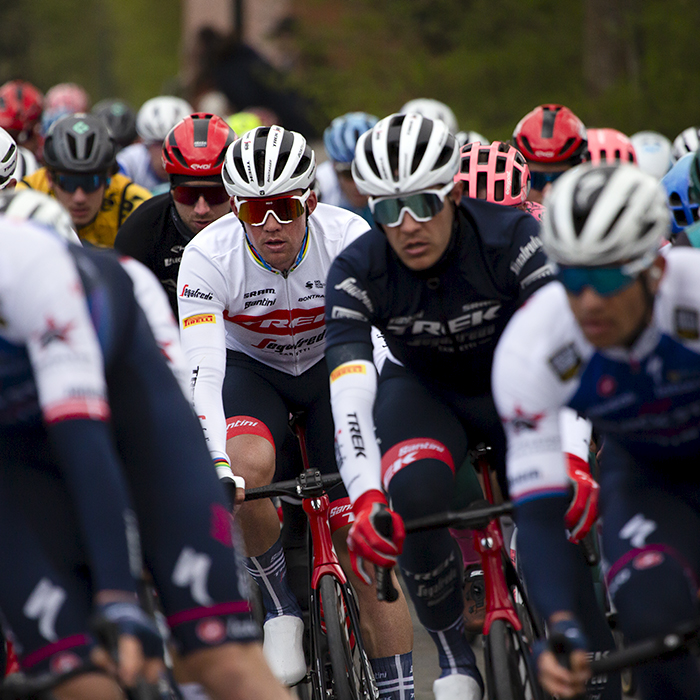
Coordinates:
201 205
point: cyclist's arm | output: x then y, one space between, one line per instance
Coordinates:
529 397
201 293
527 262
353 380
47 309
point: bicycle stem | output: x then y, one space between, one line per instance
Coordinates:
325 560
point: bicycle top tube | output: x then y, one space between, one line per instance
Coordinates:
309 484
476 517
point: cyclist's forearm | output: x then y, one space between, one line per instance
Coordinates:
353 388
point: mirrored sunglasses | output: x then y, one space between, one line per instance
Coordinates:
422 206
69 182
284 208
538 181
605 281
213 194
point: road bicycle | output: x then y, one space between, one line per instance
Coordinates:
510 624
339 668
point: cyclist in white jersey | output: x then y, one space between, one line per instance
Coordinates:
251 295
617 341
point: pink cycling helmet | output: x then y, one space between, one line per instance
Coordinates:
497 173
609 146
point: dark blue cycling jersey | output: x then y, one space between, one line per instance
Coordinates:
443 322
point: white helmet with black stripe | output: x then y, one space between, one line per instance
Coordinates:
8 157
405 153
268 161
604 215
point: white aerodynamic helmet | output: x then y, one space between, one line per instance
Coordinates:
40 208
405 153
688 141
432 109
266 161
653 152
604 215
8 157
158 115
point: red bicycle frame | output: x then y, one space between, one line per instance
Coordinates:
488 542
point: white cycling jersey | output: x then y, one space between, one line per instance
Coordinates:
43 309
229 299
647 398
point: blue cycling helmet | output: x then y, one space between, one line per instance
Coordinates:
676 182
341 136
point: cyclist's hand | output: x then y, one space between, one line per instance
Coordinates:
233 485
583 509
560 681
364 539
561 660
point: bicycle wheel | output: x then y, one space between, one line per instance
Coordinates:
509 672
352 677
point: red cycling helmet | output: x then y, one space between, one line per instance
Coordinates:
498 170
551 134
196 146
20 106
608 146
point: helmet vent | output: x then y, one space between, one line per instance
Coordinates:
445 154
10 153
283 157
201 132
500 165
498 190
567 145
370 158
426 129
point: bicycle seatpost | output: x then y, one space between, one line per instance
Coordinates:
385 586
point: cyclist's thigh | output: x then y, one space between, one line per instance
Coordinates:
253 404
650 524
421 440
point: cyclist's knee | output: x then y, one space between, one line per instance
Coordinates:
88 686
658 583
253 458
411 499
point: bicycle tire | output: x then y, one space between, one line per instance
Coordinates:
509 671
352 674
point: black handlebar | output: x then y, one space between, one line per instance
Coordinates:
309 484
477 516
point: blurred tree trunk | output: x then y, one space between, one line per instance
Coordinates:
609 51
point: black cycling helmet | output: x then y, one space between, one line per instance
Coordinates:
79 143
120 119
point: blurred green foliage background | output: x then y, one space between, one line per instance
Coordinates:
628 64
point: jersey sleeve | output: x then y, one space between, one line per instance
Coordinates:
528 262
132 196
349 306
201 303
48 313
353 379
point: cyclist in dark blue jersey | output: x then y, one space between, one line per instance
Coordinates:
440 276
100 446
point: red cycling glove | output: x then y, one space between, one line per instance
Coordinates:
583 509
364 539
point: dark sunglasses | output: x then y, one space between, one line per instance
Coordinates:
213 195
284 208
538 181
422 206
87 183
605 281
